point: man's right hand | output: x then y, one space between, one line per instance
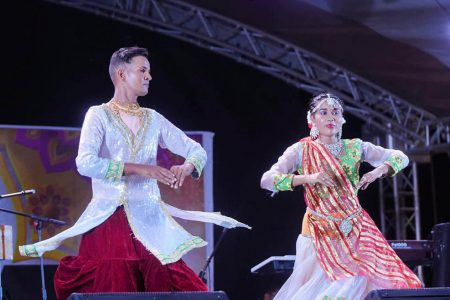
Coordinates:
155 172
159 173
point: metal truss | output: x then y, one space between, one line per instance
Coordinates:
411 125
400 207
399 201
399 196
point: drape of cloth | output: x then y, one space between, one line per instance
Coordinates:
111 259
364 252
106 143
309 281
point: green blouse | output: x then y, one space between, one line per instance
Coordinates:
353 153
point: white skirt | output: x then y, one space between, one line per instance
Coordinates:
309 282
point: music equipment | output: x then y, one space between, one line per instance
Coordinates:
275 265
410 294
151 296
414 252
441 254
23 282
434 253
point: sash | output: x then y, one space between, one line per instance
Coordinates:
362 250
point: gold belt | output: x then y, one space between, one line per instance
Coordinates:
345 224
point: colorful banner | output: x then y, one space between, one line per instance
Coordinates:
44 159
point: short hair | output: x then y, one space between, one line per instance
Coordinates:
124 56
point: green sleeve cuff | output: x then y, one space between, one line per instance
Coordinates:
28 250
198 165
115 170
283 182
396 163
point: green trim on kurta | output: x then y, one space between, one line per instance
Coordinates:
133 141
396 163
198 165
182 249
120 125
283 182
115 170
351 159
28 250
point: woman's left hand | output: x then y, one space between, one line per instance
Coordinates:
371 176
180 172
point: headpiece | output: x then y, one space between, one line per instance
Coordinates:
331 101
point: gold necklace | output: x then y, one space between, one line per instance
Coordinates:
132 109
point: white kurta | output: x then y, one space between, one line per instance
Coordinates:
106 143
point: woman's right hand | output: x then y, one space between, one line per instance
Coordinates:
321 178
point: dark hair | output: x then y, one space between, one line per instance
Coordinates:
315 100
124 56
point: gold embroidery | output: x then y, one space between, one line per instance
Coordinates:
134 142
181 249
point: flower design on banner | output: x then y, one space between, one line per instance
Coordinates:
48 203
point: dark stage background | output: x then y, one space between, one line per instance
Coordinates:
55 65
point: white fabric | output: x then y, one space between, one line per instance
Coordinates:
105 138
291 161
376 155
215 217
309 282
287 163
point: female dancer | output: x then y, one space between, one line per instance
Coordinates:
341 254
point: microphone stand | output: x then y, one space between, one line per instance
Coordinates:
38 221
208 261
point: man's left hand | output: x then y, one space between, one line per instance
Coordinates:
180 172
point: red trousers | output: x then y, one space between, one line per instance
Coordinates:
111 259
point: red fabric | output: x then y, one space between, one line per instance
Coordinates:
112 260
365 251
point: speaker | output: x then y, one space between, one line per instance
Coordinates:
441 254
410 294
23 282
151 296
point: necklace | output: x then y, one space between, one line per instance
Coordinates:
132 109
335 149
